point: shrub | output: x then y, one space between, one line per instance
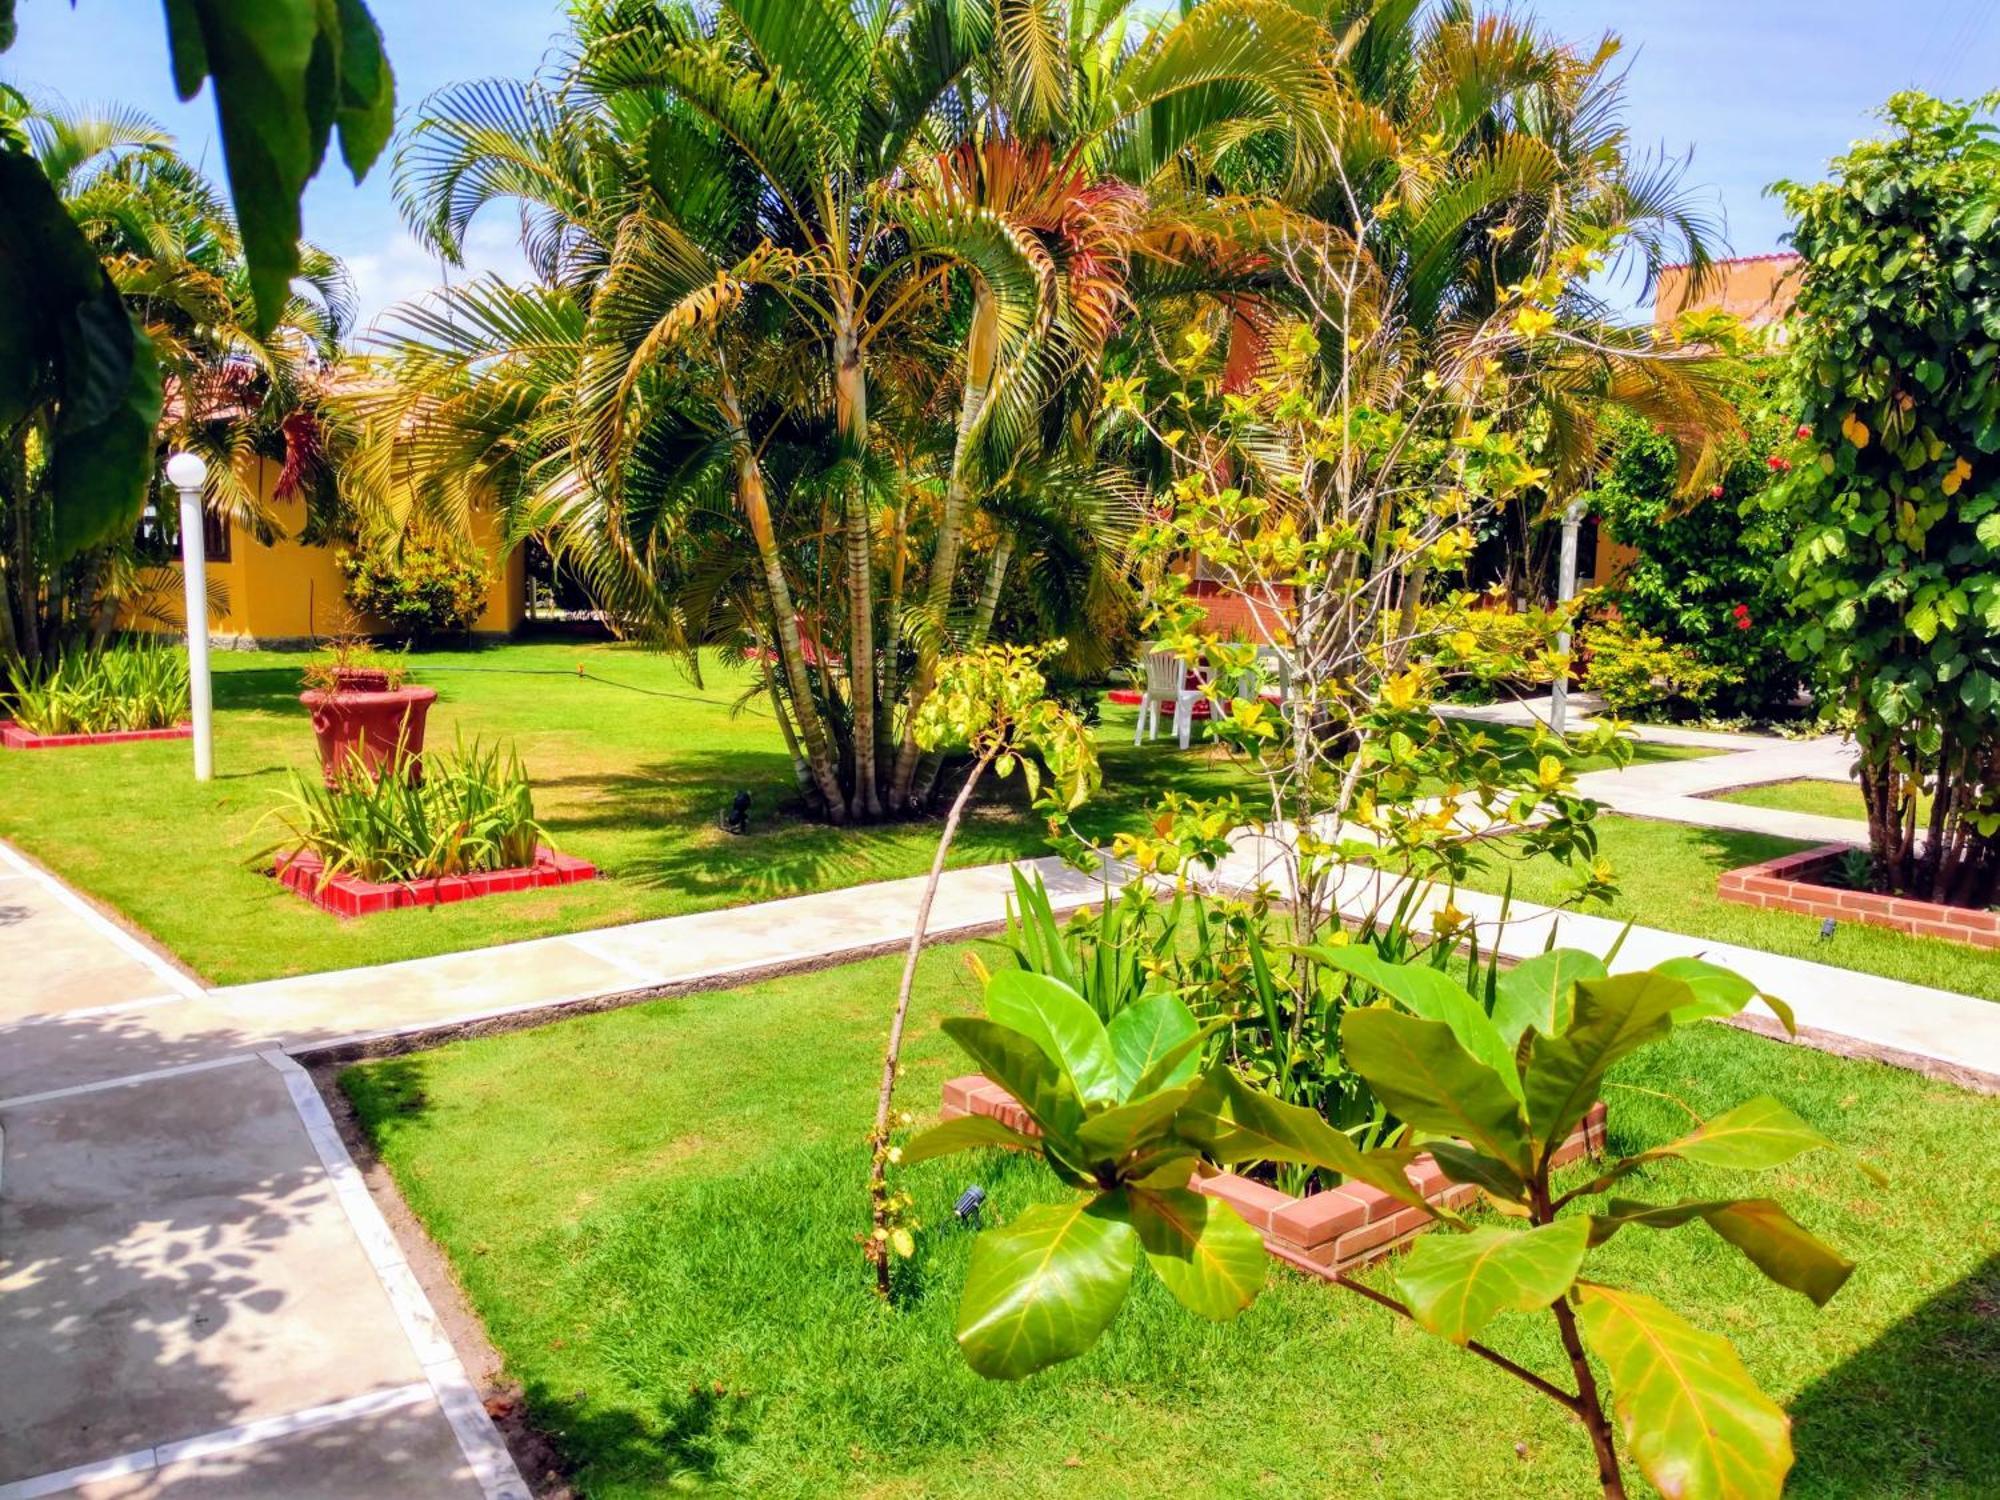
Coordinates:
1632 669
141 685
1894 484
472 811
1709 578
418 589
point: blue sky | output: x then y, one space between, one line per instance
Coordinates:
1759 89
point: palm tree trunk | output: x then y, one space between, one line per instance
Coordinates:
989 597
888 668
850 400
981 352
752 497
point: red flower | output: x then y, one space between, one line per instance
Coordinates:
1804 431
1779 464
1715 492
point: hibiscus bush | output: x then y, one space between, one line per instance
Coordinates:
1893 491
1708 580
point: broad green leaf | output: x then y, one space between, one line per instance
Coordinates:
1061 1023
65 333
1538 992
1755 1136
1168 1067
285 73
1144 1033
1432 995
1463 1164
965 1133
1234 1122
1773 1241
1043 1288
1613 1017
1691 1416
1211 1260
1457 1283
1418 1069
1719 992
1019 1066
1121 1130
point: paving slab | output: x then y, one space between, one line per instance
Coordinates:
173 1261
407 1454
58 961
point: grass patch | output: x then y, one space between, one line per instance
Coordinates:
1666 874
1827 799
654 1211
629 772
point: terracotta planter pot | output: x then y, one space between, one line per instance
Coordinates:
353 721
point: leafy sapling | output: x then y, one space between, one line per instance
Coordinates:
994 702
1126 1116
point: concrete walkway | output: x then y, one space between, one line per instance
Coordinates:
208 1300
198 1297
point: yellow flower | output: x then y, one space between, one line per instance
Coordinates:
1955 480
905 1243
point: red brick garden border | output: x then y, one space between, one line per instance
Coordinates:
347 896
1792 883
14 737
1326 1234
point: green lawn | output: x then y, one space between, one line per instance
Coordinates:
630 773
1829 799
631 764
654 1210
1666 874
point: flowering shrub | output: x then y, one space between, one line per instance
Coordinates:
1708 579
418 589
1894 499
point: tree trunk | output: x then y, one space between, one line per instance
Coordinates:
751 496
850 401
888 665
878 1171
989 597
981 353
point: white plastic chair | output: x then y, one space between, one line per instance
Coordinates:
1166 682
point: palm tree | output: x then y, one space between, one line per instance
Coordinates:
768 214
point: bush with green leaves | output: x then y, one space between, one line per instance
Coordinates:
1894 483
1708 577
136 685
1633 669
472 810
418 589
1491 1086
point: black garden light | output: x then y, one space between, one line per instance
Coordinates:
969 1203
1826 930
736 817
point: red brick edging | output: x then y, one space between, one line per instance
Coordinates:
1791 883
1326 1234
14 737
349 896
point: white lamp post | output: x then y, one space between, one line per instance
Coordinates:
1565 591
185 472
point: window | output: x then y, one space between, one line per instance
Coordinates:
158 541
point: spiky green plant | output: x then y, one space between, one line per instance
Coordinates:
141 685
471 811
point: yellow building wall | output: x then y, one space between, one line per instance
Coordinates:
287 591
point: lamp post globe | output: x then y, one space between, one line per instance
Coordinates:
186 471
